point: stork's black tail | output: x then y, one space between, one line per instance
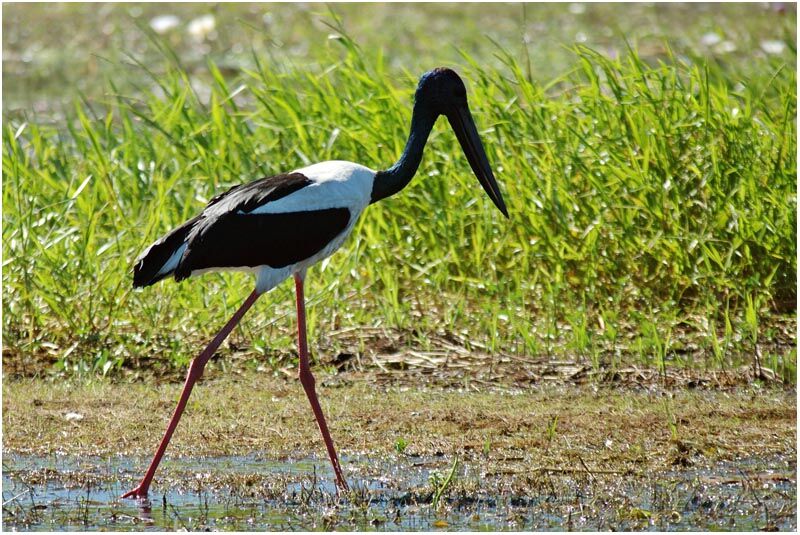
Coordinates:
161 258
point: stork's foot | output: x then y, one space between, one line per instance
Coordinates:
341 484
139 493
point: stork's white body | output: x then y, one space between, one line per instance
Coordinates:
330 185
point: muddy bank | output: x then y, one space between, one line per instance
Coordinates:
550 456
394 492
617 429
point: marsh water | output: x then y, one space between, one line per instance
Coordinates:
389 494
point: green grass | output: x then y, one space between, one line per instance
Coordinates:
653 204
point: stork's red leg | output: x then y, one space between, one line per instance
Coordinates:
307 380
195 371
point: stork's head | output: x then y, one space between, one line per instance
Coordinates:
441 89
441 92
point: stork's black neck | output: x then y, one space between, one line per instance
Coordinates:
398 176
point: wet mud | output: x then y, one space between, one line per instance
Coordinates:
391 493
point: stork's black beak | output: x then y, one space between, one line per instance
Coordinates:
467 134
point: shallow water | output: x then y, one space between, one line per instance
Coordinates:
395 493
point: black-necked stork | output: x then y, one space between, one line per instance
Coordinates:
278 226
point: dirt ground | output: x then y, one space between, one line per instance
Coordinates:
583 445
551 425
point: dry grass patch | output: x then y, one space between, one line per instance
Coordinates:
559 427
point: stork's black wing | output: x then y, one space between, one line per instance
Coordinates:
236 239
227 235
